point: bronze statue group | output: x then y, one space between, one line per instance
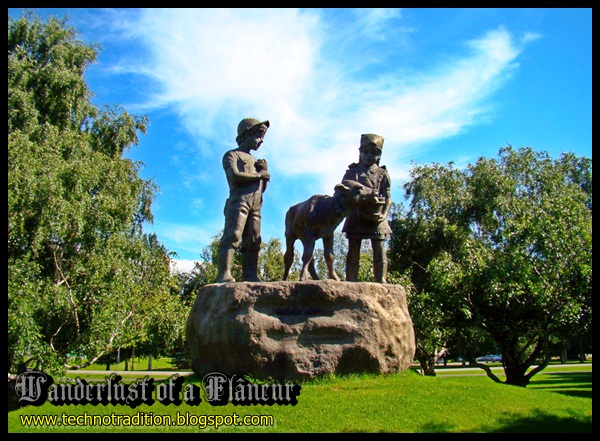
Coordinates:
248 179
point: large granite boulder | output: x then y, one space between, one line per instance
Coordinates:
300 330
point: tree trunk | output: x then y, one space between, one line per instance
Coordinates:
515 375
133 358
150 362
428 367
426 361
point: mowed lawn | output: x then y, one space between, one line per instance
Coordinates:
556 402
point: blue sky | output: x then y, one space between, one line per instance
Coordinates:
439 85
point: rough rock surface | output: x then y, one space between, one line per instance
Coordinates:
300 330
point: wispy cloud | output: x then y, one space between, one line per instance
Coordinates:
426 80
188 238
374 23
271 63
212 67
210 62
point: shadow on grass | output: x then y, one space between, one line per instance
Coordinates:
575 384
539 422
542 422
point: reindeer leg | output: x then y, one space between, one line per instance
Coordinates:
290 238
329 257
312 270
288 257
307 257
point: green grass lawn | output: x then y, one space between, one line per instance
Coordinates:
141 364
407 402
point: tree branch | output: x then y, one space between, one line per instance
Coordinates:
489 372
54 335
106 349
69 292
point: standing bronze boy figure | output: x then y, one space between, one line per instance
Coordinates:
369 221
247 178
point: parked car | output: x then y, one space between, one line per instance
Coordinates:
491 358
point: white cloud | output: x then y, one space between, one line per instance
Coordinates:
214 61
182 265
216 66
189 238
372 22
528 37
435 106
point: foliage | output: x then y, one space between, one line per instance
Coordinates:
82 277
270 261
505 247
413 245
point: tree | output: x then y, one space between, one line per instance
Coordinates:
431 334
162 324
83 279
505 247
270 261
417 238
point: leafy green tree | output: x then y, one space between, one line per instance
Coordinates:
431 335
270 261
83 279
166 314
505 247
416 239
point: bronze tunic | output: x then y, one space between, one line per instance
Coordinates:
242 208
358 224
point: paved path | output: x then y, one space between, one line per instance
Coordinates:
459 370
550 369
128 373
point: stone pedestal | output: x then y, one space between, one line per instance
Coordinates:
300 330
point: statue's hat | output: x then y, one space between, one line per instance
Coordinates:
248 123
371 139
